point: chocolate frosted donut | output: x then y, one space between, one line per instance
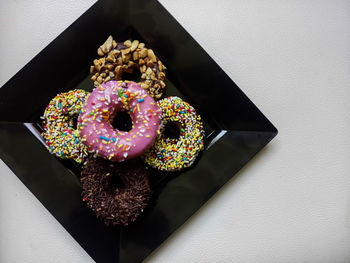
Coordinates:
116 58
116 192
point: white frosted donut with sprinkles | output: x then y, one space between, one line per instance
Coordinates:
97 132
173 154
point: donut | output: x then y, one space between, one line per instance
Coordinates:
61 136
116 58
116 192
95 121
173 154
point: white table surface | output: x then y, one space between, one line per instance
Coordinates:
292 202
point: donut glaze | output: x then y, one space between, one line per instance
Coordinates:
97 132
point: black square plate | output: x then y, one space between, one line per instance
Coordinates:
235 129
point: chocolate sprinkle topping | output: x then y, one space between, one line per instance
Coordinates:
116 192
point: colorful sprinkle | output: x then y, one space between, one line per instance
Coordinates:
104 138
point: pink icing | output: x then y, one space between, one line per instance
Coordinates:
105 101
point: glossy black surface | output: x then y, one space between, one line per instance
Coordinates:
235 129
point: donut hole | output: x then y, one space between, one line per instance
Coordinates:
172 130
122 121
116 182
73 122
133 75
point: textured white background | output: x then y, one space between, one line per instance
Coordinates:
292 202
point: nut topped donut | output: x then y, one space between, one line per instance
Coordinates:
61 136
173 153
95 121
118 57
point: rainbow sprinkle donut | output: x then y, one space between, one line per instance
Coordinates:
95 121
62 138
173 154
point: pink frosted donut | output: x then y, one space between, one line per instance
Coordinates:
97 132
